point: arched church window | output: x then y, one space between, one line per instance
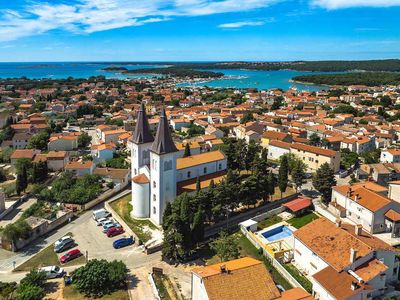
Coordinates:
154 198
154 184
154 210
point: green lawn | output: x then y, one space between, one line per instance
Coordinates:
299 222
248 249
269 221
307 285
48 257
123 208
70 292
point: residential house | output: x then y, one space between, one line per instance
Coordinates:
111 136
268 136
23 153
20 140
56 160
63 142
244 278
118 176
390 156
366 205
102 152
344 261
80 168
314 157
277 148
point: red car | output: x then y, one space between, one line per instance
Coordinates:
70 256
115 231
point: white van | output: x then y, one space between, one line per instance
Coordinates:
53 271
100 213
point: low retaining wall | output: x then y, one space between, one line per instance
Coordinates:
119 219
118 187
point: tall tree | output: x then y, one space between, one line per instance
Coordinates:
323 181
271 185
283 175
187 150
198 185
198 226
22 180
298 174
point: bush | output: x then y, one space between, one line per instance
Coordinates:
7 289
27 291
100 277
35 277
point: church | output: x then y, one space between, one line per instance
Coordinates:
158 170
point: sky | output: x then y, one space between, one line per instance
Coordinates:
198 30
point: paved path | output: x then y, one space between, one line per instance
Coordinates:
16 213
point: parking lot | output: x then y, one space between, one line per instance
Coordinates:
90 238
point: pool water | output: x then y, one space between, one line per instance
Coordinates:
277 233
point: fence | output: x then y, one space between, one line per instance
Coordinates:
234 221
104 196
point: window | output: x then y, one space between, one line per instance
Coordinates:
220 166
205 171
154 210
154 184
154 197
168 165
188 174
135 171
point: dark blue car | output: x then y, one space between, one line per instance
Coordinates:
123 242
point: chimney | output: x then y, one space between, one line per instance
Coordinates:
354 286
338 222
358 229
356 197
353 255
223 269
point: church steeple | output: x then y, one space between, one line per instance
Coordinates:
163 142
142 134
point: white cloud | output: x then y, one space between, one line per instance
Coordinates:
87 16
337 4
241 24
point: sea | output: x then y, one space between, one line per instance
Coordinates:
233 78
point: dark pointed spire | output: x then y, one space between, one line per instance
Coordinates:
142 132
163 142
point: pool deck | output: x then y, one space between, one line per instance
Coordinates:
288 239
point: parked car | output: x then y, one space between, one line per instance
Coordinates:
70 256
115 231
100 221
64 245
123 242
100 213
61 240
53 271
109 226
107 222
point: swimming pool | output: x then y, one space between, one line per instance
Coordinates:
277 233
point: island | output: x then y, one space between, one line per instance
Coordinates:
114 69
356 78
180 72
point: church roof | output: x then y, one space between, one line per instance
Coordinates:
142 132
163 142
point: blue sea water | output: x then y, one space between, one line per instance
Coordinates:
234 78
261 80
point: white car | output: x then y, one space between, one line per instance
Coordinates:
100 221
62 240
53 271
107 222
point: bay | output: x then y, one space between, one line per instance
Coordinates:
233 78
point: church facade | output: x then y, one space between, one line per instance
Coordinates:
157 167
